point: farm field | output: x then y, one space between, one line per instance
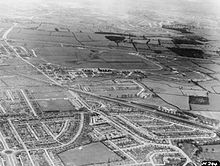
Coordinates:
86 58
179 101
42 36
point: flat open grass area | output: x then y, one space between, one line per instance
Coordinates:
42 36
188 149
45 92
211 152
89 154
54 105
86 58
177 100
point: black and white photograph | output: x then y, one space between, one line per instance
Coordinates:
109 82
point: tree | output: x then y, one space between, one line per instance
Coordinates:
116 39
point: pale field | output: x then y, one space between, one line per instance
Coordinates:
89 154
180 101
54 105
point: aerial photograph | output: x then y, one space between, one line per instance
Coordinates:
109 82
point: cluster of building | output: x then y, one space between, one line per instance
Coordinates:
9 135
179 27
126 142
162 129
168 110
169 128
34 135
56 126
14 102
114 88
97 119
65 75
23 158
24 132
69 132
61 74
168 159
143 153
185 134
39 157
104 130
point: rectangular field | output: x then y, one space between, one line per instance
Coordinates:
42 36
56 105
90 154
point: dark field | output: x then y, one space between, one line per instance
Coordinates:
191 53
198 100
186 41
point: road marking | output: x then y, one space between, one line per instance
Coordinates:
123 152
34 53
3 110
5 49
32 109
63 128
48 156
21 141
23 49
9 94
4 37
29 127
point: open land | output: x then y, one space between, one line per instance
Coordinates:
94 153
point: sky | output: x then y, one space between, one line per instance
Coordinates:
103 3
123 6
